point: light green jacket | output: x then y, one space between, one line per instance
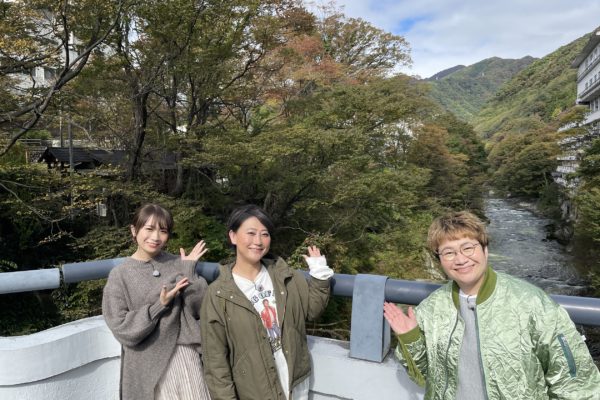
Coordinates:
529 347
238 361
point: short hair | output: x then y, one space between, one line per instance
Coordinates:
147 211
240 214
456 225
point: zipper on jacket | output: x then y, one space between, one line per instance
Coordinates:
480 356
446 356
568 355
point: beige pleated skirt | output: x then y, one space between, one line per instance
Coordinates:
184 378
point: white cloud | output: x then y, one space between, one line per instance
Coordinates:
445 33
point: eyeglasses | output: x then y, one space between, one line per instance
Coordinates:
467 250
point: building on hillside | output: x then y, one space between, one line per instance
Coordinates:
83 159
588 93
49 62
87 159
588 77
34 148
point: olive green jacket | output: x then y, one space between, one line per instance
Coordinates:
529 347
238 362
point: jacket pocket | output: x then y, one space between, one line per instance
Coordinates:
296 348
249 376
568 355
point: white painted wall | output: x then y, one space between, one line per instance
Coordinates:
337 376
81 360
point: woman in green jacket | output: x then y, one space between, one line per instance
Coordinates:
487 335
253 316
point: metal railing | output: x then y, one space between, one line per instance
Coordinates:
583 310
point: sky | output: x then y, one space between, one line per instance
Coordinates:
445 33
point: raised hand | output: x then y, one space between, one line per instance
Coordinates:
167 296
313 251
400 322
317 264
198 251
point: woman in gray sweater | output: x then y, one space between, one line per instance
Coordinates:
151 303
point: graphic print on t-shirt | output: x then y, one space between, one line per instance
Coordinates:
269 320
261 295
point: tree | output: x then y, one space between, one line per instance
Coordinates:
41 34
525 164
363 49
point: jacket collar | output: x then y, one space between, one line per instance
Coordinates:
485 291
276 267
278 271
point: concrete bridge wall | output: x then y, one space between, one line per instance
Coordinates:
81 360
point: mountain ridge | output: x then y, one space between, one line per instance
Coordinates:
464 90
542 90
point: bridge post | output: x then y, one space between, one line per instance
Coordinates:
369 332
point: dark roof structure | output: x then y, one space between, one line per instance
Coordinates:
82 158
114 157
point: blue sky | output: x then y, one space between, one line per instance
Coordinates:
445 33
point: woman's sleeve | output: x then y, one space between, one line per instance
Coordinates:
570 370
318 295
193 294
412 353
130 327
189 266
215 350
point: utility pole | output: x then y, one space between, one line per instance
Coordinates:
71 166
70 133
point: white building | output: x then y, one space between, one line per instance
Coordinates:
588 77
588 93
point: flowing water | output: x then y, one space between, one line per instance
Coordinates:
518 246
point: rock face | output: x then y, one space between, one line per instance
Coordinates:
563 232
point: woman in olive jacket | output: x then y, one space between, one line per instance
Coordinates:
249 353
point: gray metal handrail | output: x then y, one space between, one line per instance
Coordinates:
582 310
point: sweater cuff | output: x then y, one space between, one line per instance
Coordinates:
190 265
411 336
156 310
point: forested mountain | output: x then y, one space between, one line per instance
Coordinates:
464 90
520 123
542 90
445 72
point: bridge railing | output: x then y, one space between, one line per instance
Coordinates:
370 335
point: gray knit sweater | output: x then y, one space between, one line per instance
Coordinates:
147 330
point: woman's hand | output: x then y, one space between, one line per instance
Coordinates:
198 251
400 322
167 296
313 251
317 264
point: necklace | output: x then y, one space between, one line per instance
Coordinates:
260 278
155 271
257 282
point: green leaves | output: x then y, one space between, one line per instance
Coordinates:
254 102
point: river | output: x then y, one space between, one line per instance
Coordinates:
518 246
